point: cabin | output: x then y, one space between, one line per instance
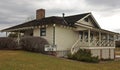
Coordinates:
69 33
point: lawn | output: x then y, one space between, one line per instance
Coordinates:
21 60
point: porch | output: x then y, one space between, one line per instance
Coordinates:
94 38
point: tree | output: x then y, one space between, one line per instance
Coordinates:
29 18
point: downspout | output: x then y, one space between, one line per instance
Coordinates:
54 35
54 46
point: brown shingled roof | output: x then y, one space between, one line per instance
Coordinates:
74 18
69 21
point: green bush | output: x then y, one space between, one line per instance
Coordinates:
83 55
34 44
7 43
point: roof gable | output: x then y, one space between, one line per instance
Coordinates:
73 19
89 20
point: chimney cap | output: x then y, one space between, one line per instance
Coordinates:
40 9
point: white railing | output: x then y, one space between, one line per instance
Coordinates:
103 43
79 43
95 43
75 46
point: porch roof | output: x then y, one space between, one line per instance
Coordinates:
98 30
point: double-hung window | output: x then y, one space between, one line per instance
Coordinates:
42 31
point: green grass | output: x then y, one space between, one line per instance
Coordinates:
21 60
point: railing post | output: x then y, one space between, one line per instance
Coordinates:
88 37
83 38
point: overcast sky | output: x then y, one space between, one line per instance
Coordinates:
106 12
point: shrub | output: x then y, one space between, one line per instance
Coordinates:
107 59
8 43
83 55
13 35
34 44
117 43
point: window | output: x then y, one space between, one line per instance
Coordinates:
42 31
86 37
81 35
86 19
91 37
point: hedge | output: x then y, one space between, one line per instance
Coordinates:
8 43
34 44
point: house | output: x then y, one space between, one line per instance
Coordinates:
69 33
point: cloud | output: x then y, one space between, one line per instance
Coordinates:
14 12
104 5
109 3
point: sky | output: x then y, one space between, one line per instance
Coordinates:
106 12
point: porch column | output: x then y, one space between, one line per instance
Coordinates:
18 38
88 37
83 36
113 40
6 34
99 38
108 39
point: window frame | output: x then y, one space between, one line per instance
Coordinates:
42 31
86 20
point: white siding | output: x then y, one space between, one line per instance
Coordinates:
49 34
95 52
105 53
112 53
65 38
36 32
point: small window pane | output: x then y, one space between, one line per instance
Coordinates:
43 31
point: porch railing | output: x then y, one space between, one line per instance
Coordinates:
95 43
103 43
75 46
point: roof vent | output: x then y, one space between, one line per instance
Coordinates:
63 14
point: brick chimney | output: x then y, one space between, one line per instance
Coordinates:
40 13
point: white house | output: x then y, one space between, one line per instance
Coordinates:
69 33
